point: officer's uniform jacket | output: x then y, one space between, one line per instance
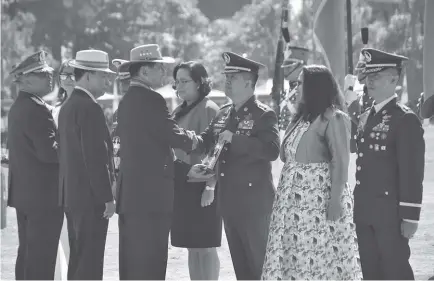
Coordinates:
244 168
390 164
33 163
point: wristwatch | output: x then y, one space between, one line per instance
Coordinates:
209 188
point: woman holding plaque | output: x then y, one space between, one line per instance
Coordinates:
312 235
197 224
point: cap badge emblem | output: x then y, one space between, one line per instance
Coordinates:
227 58
367 56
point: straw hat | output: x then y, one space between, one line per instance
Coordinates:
146 53
94 60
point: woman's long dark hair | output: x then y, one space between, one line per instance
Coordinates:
320 92
62 95
199 75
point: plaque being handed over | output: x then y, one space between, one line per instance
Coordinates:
212 157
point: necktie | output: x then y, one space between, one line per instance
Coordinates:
372 112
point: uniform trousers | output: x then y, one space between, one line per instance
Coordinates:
90 233
143 245
247 239
38 235
384 253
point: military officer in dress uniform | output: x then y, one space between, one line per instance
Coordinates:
34 171
390 171
295 59
244 175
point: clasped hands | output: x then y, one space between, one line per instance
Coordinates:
200 173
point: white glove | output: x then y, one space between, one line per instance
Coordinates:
350 81
350 95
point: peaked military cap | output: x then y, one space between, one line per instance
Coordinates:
236 63
294 54
122 69
373 60
33 63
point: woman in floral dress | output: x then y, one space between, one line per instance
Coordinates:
312 235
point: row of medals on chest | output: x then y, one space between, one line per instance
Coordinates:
378 132
244 124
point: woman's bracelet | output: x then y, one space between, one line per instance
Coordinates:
209 188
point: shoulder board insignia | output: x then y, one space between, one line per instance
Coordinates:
262 106
404 107
226 105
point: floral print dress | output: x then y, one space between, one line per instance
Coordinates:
302 244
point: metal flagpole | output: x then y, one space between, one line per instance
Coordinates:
277 88
349 38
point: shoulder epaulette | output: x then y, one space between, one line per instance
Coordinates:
226 105
262 106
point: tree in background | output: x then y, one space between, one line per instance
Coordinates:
183 31
15 44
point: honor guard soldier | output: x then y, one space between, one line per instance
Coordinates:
390 171
295 59
34 171
244 176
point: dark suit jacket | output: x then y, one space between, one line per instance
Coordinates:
147 135
84 154
33 163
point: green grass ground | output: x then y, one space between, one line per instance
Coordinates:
422 245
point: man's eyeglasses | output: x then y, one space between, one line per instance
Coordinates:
65 76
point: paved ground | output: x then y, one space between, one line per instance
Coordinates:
422 245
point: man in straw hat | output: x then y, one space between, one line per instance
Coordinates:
85 153
145 194
389 173
34 170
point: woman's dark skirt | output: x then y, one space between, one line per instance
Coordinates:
194 226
